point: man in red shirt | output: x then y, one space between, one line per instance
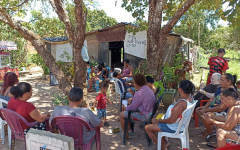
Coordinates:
217 64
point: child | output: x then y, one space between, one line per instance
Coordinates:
101 103
91 78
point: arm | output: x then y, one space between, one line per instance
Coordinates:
136 102
95 103
131 72
100 125
231 121
176 112
219 108
209 102
209 95
36 115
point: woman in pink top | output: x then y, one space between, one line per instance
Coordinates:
127 69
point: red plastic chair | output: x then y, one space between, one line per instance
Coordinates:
230 147
13 119
73 127
195 114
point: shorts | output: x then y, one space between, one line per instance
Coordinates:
220 113
101 113
165 128
137 116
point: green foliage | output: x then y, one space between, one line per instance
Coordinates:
93 63
159 85
142 68
234 63
60 99
46 27
232 13
96 19
38 60
170 78
17 56
67 68
202 59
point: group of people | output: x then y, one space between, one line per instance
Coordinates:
221 111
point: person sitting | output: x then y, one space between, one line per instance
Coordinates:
75 98
104 72
227 126
142 103
173 114
9 80
150 84
127 70
214 104
99 71
208 92
92 78
18 103
124 82
238 88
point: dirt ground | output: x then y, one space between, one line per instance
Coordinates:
42 99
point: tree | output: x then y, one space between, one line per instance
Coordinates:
74 31
157 33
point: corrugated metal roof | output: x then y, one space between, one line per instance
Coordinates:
56 39
7 45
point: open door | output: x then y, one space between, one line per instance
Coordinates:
117 51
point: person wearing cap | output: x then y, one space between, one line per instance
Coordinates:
127 70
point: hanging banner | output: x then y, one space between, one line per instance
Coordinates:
136 45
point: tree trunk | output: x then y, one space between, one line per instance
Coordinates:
157 36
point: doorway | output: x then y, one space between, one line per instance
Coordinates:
117 51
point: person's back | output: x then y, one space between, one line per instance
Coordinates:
217 64
23 108
144 100
75 98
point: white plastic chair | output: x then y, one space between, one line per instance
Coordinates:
183 136
117 88
2 123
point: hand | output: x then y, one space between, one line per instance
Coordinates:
110 102
155 121
202 111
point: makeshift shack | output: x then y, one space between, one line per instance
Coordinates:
111 45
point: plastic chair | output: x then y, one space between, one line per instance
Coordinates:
182 135
118 91
129 120
14 122
195 114
230 147
73 127
2 123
